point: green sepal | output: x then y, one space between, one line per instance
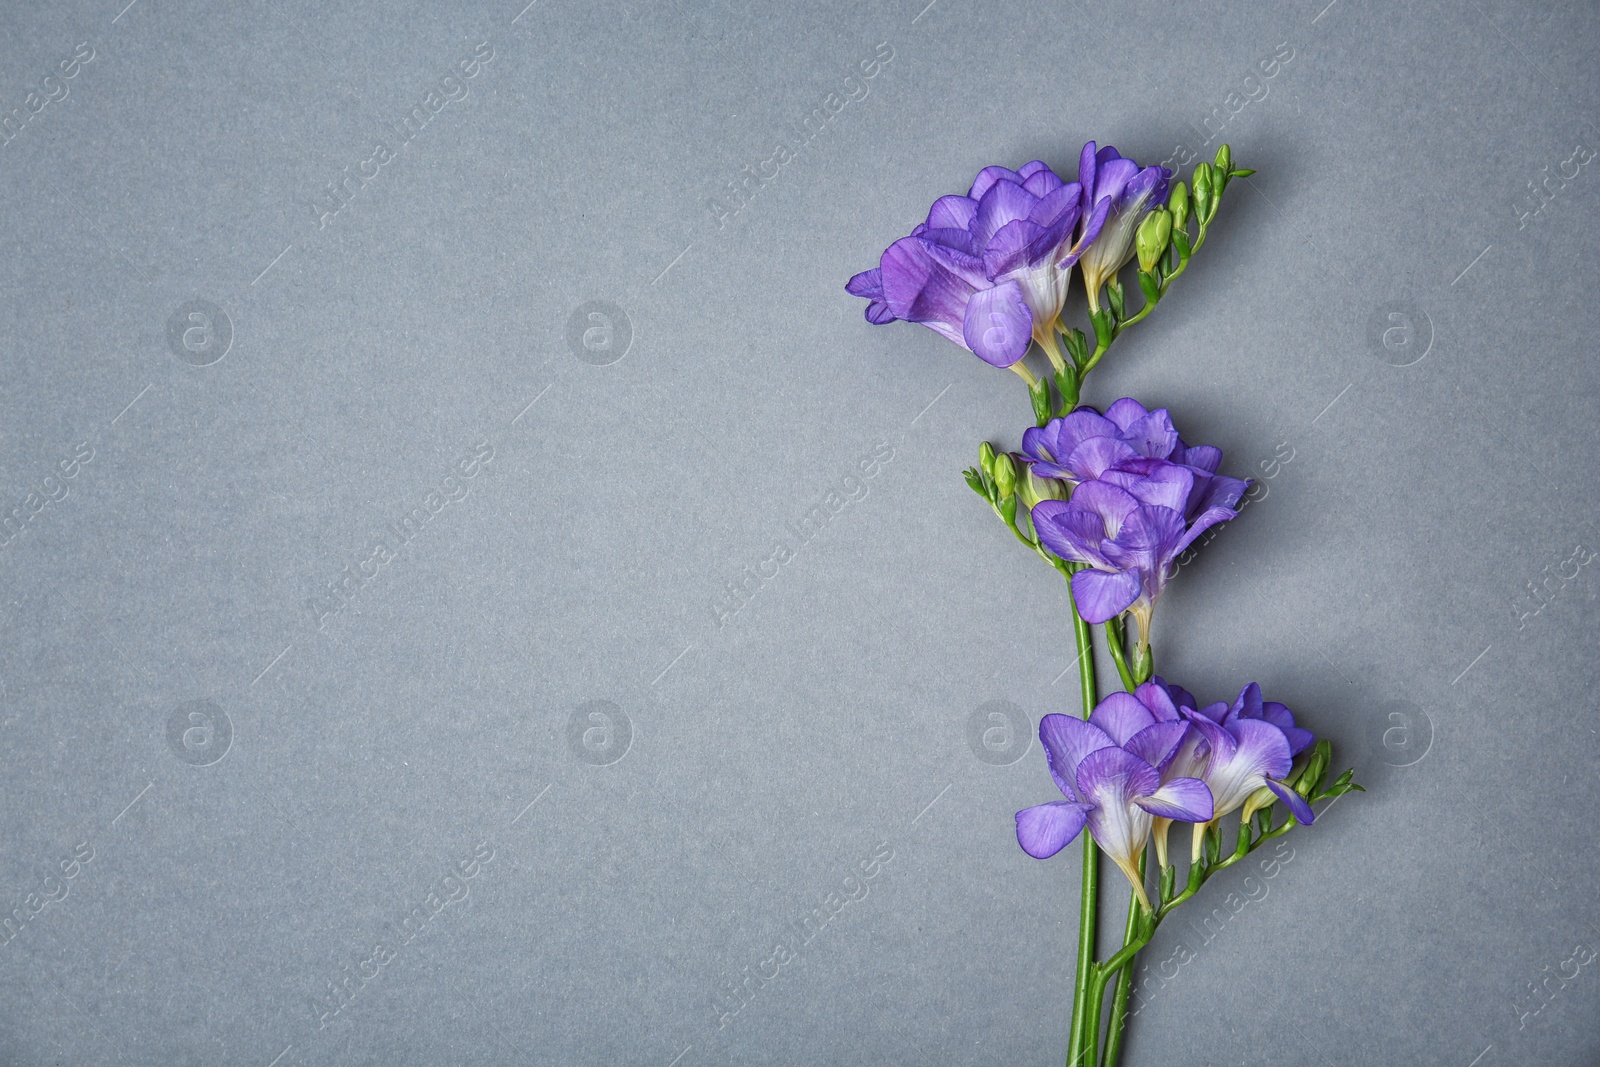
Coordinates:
1077 346
1067 386
1224 162
1101 321
1169 881
1240 173
1115 296
974 479
1150 286
1180 241
1264 819
1008 509
1039 394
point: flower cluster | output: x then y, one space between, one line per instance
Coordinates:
1148 758
990 270
1140 497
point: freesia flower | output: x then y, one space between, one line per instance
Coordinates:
988 270
1237 749
1129 526
1115 772
1131 193
1084 444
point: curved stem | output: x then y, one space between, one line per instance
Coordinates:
1114 642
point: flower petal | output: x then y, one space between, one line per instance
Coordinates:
998 326
988 177
1185 799
1202 457
1101 596
1066 740
1121 715
952 212
1072 533
918 288
1098 455
869 283
1154 481
1039 179
1297 803
1112 503
878 313
1110 779
1011 247
1004 202
1154 695
1152 434
1261 753
1158 743
1207 519
1126 412
1247 706
1044 830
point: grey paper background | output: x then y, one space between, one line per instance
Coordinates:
253 783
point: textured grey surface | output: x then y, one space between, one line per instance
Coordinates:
353 750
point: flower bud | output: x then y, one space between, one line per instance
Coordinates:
986 458
1005 475
1202 191
1224 161
1316 768
1032 488
1151 240
1178 204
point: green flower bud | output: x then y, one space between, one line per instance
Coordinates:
1152 238
1032 488
1316 768
986 458
1005 475
1178 204
1224 161
1202 191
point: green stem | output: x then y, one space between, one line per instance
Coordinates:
1118 656
1088 901
1119 999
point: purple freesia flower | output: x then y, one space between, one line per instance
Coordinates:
1129 526
988 270
1116 772
1084 444
1131 193
1237 749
